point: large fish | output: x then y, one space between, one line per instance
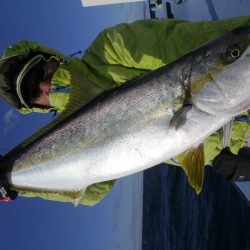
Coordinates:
142 123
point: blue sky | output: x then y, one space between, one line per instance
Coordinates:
37 224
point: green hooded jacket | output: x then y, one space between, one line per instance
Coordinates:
119 54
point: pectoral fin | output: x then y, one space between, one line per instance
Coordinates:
193 163
179 118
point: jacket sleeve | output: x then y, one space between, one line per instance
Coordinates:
93 194
128 50
96 192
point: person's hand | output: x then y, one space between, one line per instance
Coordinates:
6 194
234 167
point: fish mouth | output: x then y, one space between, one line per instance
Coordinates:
244 106
214 106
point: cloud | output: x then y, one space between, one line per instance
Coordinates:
9 120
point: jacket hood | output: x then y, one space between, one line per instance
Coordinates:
17 55
11 64
25 48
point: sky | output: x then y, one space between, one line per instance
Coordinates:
38 224
68 27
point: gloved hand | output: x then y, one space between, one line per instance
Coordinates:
234 167
6 194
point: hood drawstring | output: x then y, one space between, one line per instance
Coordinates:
54 113
67 58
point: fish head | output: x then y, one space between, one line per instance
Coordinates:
226 88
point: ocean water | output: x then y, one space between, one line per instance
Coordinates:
175 218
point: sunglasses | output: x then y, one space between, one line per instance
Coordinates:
40 74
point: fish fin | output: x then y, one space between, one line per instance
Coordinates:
179 118
193 163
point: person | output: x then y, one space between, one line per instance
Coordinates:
117 55
156 6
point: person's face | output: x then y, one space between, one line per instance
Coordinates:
45 84
43 99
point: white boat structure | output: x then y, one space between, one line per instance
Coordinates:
88 3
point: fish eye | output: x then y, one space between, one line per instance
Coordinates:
233 52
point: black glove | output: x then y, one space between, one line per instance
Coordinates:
6 194
234 167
